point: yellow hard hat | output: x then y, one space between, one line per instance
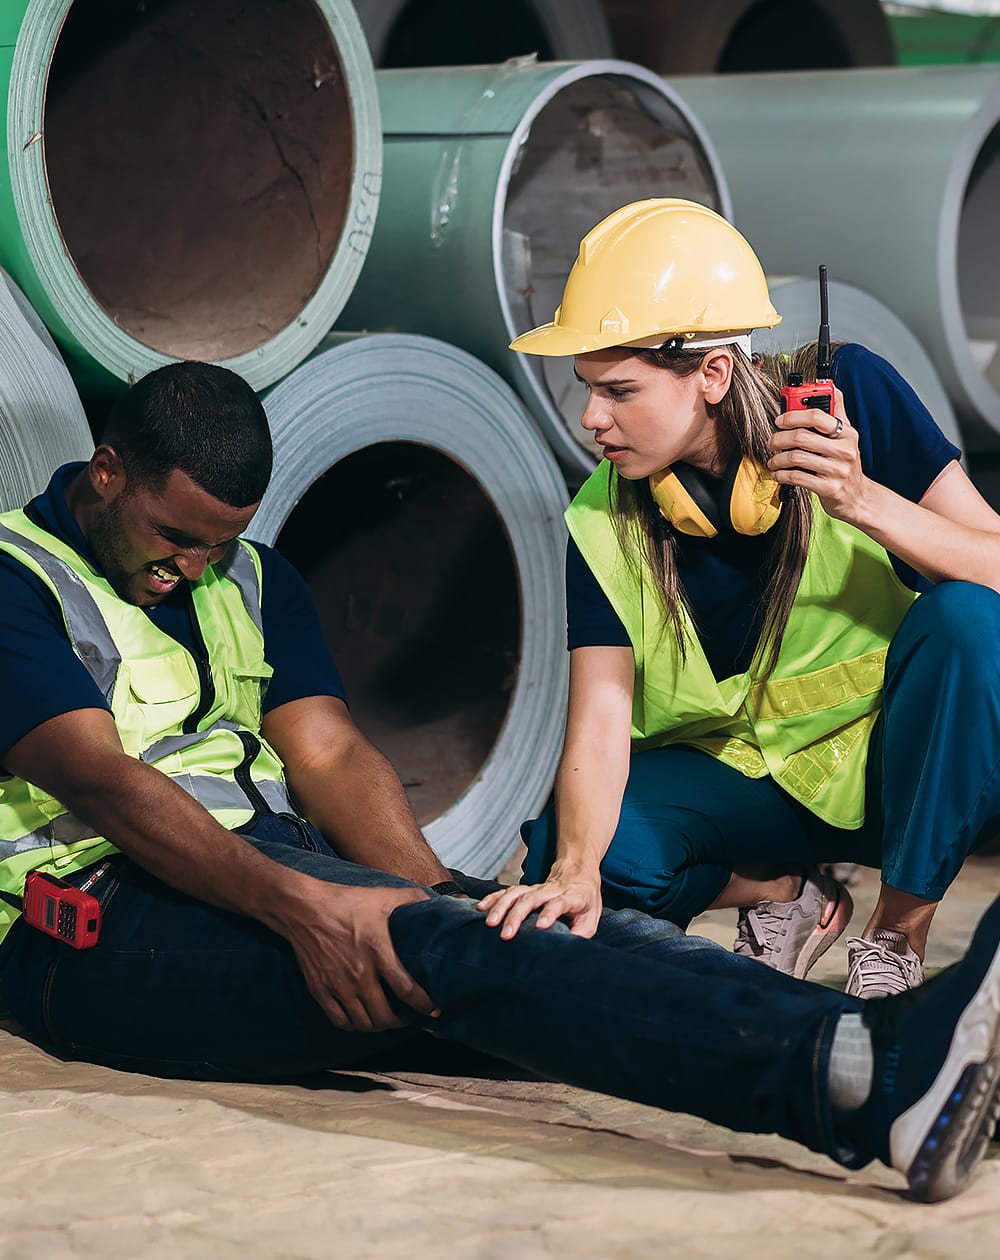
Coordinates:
654 270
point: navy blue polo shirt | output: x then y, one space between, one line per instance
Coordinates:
42 677
901 448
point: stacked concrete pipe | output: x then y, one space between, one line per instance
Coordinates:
729 36
414 494
492 176
42 421
404 33
891 178
186 181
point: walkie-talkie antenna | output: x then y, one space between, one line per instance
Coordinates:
823 364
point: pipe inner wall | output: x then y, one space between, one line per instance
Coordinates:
415 584
186 180
200 178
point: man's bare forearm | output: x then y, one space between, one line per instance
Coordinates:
366 816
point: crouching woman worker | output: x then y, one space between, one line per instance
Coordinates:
755 688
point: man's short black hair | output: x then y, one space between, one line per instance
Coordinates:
199 418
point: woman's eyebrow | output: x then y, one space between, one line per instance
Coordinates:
615 380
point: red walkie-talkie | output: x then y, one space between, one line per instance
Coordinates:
799 395
58 908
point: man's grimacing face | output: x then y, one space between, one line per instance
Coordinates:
148 539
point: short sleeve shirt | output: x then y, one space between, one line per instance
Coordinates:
901 448
41 676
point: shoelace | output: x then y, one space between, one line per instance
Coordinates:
758 927
882 967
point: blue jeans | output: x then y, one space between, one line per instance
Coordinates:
177 988
932 788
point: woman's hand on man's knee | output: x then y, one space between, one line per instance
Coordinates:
575 899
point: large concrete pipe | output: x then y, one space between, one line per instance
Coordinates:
42 422
186 181
415 495
891 178
729 36
857 316
405 33
492 176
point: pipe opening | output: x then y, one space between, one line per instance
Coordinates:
199 161
414 578
784 35
447 33
979 262
599 143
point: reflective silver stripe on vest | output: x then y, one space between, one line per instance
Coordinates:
87 630
239 567
212 793
177 743
216 793
66 829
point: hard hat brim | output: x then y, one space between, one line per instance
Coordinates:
556 341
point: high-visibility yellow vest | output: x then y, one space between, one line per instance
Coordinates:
209 744
808 724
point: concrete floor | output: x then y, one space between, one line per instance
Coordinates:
455 1158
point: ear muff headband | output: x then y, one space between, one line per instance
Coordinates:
746 500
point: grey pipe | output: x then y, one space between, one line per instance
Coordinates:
891 178
412 489
42 421
857 316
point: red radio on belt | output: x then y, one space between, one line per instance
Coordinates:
799 395
61 910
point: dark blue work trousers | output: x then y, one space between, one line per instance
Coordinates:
177 988
932 792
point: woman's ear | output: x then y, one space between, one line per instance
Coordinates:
717 373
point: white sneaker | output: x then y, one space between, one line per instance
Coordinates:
881 964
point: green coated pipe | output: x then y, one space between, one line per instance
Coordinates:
492 174
186 181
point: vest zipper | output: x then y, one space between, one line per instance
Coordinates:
204 667
251 747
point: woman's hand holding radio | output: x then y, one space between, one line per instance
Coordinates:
819 452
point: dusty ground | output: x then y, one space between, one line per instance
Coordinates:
406 1163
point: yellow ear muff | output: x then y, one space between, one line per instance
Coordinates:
754 498
677 505
747 499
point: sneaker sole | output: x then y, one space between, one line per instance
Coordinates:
942 1137
823 937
